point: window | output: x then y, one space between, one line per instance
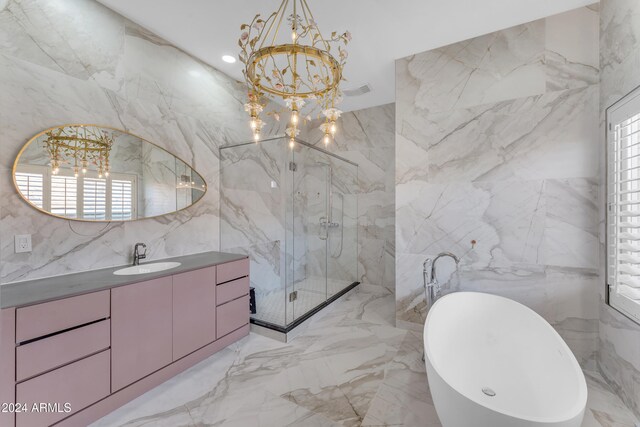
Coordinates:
31 187
623 205
112 198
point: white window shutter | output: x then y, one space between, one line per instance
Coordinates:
64 200
623 205
121 199
94 199
31 186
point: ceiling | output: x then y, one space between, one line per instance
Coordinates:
383 30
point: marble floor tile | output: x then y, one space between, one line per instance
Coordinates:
605 408
350 367
404 399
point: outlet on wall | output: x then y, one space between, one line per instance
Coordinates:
23 243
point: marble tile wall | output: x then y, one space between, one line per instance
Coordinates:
497 142
619 338
367 138
75 61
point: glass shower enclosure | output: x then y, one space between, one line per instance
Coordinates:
294 211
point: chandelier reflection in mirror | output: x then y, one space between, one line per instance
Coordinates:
79 147
297 65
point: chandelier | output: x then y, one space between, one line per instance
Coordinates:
297 66
79 146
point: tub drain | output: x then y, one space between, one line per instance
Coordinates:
489 392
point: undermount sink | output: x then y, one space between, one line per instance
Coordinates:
146 268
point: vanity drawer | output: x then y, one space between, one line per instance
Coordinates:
232 270
80 384
58 350
231 290
43 319
231 316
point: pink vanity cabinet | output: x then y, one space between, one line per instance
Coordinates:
141 337
86 355
194 310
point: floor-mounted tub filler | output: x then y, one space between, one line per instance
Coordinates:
492 362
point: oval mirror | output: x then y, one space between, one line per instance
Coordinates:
96 173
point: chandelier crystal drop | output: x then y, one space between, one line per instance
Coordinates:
298 65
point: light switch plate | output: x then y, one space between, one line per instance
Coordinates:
23 243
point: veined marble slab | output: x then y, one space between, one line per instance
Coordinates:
498 142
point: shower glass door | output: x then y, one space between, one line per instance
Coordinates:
324 223
310 171
342 230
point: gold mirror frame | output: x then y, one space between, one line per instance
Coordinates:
38 135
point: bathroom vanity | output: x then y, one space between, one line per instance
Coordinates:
76 347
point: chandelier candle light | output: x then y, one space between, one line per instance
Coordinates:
296 67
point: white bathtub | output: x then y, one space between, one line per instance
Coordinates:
476 341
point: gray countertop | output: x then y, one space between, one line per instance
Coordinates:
29 292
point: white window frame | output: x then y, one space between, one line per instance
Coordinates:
621 111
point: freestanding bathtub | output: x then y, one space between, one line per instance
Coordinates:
492 362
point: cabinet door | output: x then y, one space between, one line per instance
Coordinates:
78 384
233 315
141 330
194 310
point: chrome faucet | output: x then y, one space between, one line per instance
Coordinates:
431 285
137 256
434 279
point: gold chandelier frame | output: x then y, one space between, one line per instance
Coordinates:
270 52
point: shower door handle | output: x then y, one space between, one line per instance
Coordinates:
324 224
327 224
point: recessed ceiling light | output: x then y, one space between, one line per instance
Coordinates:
195 73
228 58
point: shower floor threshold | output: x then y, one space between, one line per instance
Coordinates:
300 320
